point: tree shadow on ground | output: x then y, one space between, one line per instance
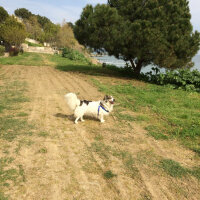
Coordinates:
97 70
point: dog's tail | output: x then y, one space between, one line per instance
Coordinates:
72 100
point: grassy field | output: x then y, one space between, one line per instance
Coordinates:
15 132
162 114
169 113
29 59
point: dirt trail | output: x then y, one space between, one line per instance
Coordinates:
71 166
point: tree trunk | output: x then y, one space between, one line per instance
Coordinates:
136 68
133 64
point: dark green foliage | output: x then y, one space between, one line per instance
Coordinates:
73 55
13 32
89 30
23 13
3 14
182 78
50 32
142 32
43 20
2 50
39 27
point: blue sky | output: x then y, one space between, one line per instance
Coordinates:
70 10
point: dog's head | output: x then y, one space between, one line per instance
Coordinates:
109 99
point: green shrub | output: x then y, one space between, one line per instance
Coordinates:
179 79
2 50
73 55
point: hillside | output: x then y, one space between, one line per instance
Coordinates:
44 155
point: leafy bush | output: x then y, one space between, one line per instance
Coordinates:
179 79
2 50
74 55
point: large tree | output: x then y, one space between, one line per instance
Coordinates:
42 20
33 28
23 13
13 32
65 36
3 14
143 32
50 32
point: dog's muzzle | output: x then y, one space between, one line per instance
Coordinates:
112 102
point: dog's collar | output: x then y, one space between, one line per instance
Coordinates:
101 106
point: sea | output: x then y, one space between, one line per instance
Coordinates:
111 60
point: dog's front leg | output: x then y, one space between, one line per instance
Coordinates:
101 119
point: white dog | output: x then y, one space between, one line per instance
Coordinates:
90 108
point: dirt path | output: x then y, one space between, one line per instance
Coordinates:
68 161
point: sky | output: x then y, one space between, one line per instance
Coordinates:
70 10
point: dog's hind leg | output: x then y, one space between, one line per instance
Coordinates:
76 120
82 119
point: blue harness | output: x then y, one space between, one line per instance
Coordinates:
100 106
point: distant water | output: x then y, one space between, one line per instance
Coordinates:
111 60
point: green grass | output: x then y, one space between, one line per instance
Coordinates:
156 133
109 174
169 113
2 197
29 59
8 174
14 130
12 95
33 44
43 150
174 169
128 161
43 134
101 149
22 114
63 64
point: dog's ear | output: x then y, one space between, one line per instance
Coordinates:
105 97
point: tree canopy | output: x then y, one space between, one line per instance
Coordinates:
155 32
65 36
23 13
3 14
33 28
38 27
13 32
